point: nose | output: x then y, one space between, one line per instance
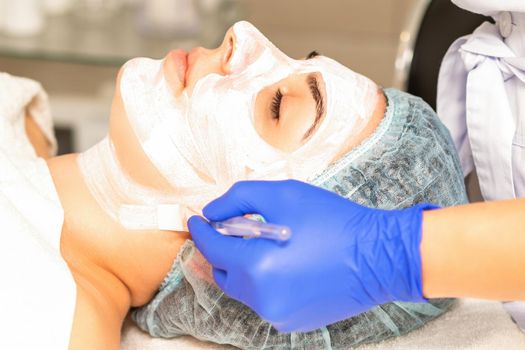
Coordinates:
202 61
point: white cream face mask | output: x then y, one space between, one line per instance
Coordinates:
204 143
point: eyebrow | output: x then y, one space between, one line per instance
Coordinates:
313 84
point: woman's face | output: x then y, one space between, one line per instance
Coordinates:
214 115
285 113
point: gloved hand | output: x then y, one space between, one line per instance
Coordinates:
341 260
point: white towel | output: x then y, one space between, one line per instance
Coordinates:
17 96
37 290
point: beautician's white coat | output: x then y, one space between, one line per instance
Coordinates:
481 97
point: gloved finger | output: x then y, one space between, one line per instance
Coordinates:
220 278
244 197
216 248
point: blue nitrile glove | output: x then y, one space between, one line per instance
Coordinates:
341 260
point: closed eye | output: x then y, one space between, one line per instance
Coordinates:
278 97
276 104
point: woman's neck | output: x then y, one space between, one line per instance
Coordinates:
134 205
124 267
86 233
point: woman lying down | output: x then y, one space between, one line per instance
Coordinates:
90 236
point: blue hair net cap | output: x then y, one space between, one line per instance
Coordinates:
410 158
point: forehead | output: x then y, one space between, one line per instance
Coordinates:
257 54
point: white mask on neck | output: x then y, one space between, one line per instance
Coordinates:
204 143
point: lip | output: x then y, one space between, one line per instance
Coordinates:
178 60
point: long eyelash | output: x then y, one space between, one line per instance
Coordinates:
276 104
312 54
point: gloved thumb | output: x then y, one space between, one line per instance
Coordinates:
216 248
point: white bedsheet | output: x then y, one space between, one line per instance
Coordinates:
470 325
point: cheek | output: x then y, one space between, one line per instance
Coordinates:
121 134
128 150
207 63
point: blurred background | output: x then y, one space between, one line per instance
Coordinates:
75 47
